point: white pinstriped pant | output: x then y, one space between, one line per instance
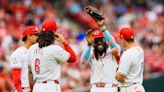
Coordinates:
50 86
104 89
133 88
26 89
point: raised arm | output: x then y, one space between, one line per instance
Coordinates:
72 57
110 40
108 36
86 56
99 18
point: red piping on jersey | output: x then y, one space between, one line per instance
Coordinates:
16 73
72 57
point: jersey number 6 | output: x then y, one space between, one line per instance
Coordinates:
37 68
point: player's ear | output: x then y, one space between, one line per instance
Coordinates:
124 41
29 37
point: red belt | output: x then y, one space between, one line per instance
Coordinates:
25 87
55 81
102 85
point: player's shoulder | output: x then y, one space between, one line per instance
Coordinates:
56 47
134 51
140 49
33 46
18 51
127 53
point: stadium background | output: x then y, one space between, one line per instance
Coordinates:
146 17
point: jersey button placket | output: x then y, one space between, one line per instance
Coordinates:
102 65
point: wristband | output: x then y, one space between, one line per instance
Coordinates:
103 28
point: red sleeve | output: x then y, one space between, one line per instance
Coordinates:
16 74
72 57
117 58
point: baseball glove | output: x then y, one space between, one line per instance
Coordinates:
94 13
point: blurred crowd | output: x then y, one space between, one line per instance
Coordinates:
146 17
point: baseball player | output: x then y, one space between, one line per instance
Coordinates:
46 58
17 60
130 71
102 54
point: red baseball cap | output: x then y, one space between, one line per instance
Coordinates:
49 25
126 33
30 30
97 34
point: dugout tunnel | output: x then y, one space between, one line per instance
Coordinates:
154 84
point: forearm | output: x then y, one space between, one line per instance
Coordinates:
119 77
108 37
16 74
117 55
72 57
85 58
31 80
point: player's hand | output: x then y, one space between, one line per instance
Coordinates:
89 37
101 22
59 37
114 51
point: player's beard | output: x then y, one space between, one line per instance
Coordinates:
100 47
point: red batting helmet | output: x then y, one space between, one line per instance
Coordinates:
97 34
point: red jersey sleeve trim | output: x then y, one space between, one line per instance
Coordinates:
72 57
16 75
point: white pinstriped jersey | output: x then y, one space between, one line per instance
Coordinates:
132 66
17 60
46 62
104 69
